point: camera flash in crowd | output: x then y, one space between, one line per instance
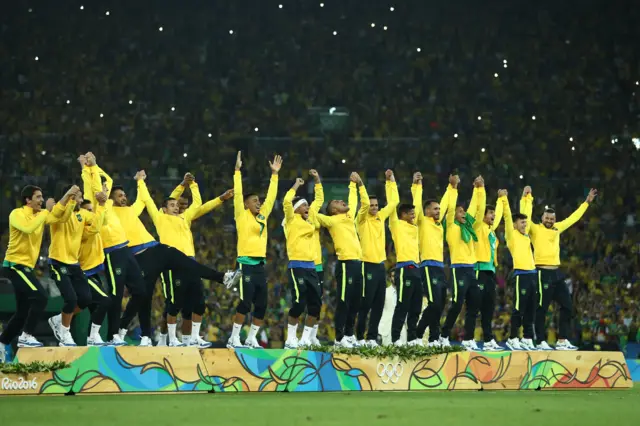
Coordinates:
36 58
482 150
101 115
504 61
130 102
344 161
279 6
479 118
173 108
573 148
384 28
231 32
321 4
373 25
392 8
184 155
533 117
546 207
160 29
81 7
256 129
335 33
107 13
209 135
637 83
418 49
455 135
495 75
44 153
521 177
505 65
570 139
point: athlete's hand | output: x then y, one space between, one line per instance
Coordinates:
298 183
239 160
454 181
227 195
276 164
355 177
101 198
82 159
592 195
478 182
141 175
502 193
91 159
50 203
526 191
187 179
417 178
388 175
72 192
314 174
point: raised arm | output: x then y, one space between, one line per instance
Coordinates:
94 221
452 200
213 204
318 193
508 220
416 194
364 199
196 202
287 203
481 203
502 194
143 196
576 215
238 198
352 201
272 192
393 198
326 221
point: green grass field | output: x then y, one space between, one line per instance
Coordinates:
400 408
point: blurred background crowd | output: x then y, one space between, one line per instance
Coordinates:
542 94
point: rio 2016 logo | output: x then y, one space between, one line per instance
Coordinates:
20 384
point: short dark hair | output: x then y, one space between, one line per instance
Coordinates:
165 202
28 192
85 202
249 195
519 216
405 208
328 208
552 211
373 197
489 208
461 205
429 202
115 188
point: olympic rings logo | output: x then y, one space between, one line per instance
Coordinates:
390 372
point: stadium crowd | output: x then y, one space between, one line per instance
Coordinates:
546 97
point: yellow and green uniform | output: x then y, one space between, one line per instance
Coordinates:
487 245
252 230
431 232
299 232
546 242
518 244
139 238
66 237
91 255
371 228
462 248
26 228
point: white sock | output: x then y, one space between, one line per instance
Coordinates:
253 332
195 330
306 333
292 331
172 332
186 339
162 340
95 330
64 329
236 330
314 332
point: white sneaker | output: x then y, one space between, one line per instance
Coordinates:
361 343
3 353
162 340
544 346
123 333
291 343
416 342
304 343
28 341
434 344
234 342
231 278
470 345
344 343
176 343
444 342
566 346
65 339
55 323
372 344
354 342
492 346
514 344
527 345
200 343
95 340
315 342
117 341
145 342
